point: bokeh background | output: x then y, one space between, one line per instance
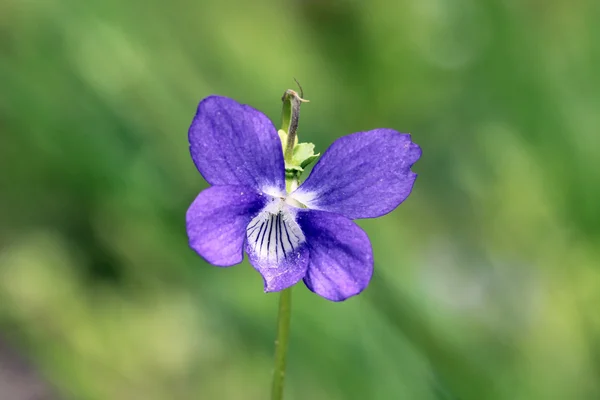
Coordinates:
487 282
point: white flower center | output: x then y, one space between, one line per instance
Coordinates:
274 235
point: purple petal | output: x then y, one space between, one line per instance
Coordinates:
234 144
341 257
283 275
216 222
363 175
276 247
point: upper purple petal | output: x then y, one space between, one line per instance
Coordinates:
217 219
341 257
362 175
234 144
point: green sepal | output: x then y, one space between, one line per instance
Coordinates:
303 154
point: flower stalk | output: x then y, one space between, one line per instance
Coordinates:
281 343
290 117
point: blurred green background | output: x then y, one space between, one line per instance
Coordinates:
487 282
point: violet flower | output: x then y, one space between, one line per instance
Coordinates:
307 234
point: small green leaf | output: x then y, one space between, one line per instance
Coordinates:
309 160
304 154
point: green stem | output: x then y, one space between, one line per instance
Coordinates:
281 343
290 114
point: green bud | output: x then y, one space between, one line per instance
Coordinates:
283 136
296 155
